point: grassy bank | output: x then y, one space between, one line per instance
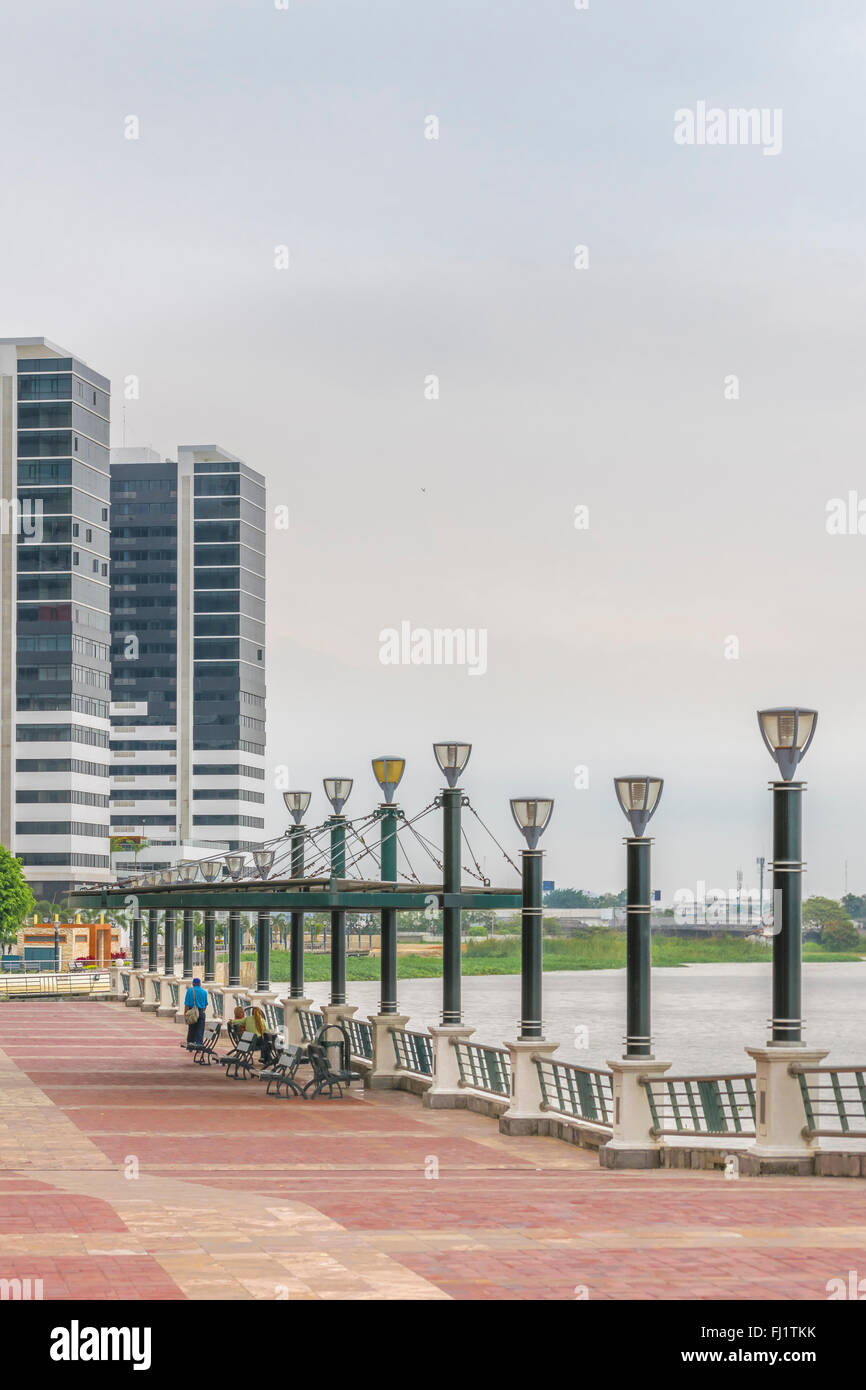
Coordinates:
594 951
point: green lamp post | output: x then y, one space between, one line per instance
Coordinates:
388 773
532 815
211 872
452 759
337 790
236 864
263 860
787 734
638 798
296 805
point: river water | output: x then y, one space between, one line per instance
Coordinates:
704 1016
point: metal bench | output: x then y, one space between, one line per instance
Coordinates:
240 1062
282 1073
204 1053
325 1077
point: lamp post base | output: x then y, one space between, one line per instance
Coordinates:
527 1100
446 1089
632 1144
782 1143
385 1074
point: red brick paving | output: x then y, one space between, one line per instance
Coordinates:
505 1219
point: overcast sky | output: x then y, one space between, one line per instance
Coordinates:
559 387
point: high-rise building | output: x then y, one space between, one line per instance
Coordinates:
188 654
54 615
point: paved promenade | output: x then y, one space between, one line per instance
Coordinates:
128 1172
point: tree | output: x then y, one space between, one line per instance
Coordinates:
820 912
841 936
16 899
855 905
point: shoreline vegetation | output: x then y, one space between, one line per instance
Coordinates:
600 950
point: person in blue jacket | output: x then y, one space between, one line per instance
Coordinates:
195 995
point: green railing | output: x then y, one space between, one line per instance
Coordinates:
360 1037
124 982
140 984
72 984
172 992
582 1093
484 1068
413 1051
702 1104
216 1002
834 1099
270 1017
157 990
310 1022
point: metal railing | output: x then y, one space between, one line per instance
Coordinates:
834 1099
484 1068
310 1022
172 992
413 1051
583 1093
157 989
216 1002
713 1105
360 1037
124 982
79 983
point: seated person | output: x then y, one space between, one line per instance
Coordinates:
264 1041
238 1025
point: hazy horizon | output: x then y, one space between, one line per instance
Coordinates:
607 386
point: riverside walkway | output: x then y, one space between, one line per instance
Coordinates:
128 1172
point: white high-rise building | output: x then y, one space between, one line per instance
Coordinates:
54 615
188 655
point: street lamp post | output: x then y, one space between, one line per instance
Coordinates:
263 859
235 863
337 790
634 1143
211 871
445 1090
639 798
781 1138
452 759
388 773
383 1073
531 815
296 805
787 734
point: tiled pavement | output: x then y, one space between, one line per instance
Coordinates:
125 1171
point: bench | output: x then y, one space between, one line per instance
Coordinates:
204 1053
325 1077
240 1062
282 1073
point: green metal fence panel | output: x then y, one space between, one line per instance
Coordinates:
711 1105
484 1068
581 1093
360 1037
413 1051
834 1099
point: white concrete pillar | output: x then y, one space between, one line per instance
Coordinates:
780 1117
166 1008
135 998
291 1008
526 1092
335 1013
184 985
148 1003
384 1066
446 1072
632 1144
